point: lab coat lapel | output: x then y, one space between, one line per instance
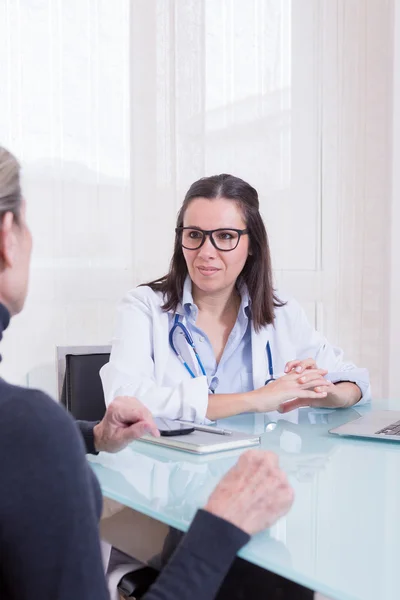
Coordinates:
160 363
260 371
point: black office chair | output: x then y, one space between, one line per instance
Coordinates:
82 395
82 391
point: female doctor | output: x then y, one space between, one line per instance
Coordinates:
212 339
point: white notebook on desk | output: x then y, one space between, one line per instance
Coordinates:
203 442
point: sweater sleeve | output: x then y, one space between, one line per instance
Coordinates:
49 543
86 428
201 561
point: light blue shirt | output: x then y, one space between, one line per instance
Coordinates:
234 373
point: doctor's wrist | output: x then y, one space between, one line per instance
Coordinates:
347 393
264 399
228 405
250 402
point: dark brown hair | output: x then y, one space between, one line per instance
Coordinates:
257 271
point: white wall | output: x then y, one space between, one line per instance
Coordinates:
64 111
394 289
356 163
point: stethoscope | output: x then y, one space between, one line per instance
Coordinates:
270 364
178 325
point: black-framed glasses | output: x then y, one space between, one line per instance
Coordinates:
192 238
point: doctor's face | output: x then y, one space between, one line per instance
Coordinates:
212 270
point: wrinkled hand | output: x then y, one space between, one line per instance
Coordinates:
300 365
126 420
310 384
254 494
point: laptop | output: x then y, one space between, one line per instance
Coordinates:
380 424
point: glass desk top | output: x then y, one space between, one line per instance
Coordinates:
342 535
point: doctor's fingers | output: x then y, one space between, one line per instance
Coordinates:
293 376
314 382
300 365
309 395
310 400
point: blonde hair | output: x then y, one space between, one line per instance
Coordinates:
10 187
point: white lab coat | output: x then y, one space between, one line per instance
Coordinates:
142 363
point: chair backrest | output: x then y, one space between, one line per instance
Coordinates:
80 386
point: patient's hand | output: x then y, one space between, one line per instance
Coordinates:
253 494
126 420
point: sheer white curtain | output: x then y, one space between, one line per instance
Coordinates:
226 86
395 217
357 84
64 111
295 98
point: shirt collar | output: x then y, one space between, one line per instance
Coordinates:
188 305
244 309
190 310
